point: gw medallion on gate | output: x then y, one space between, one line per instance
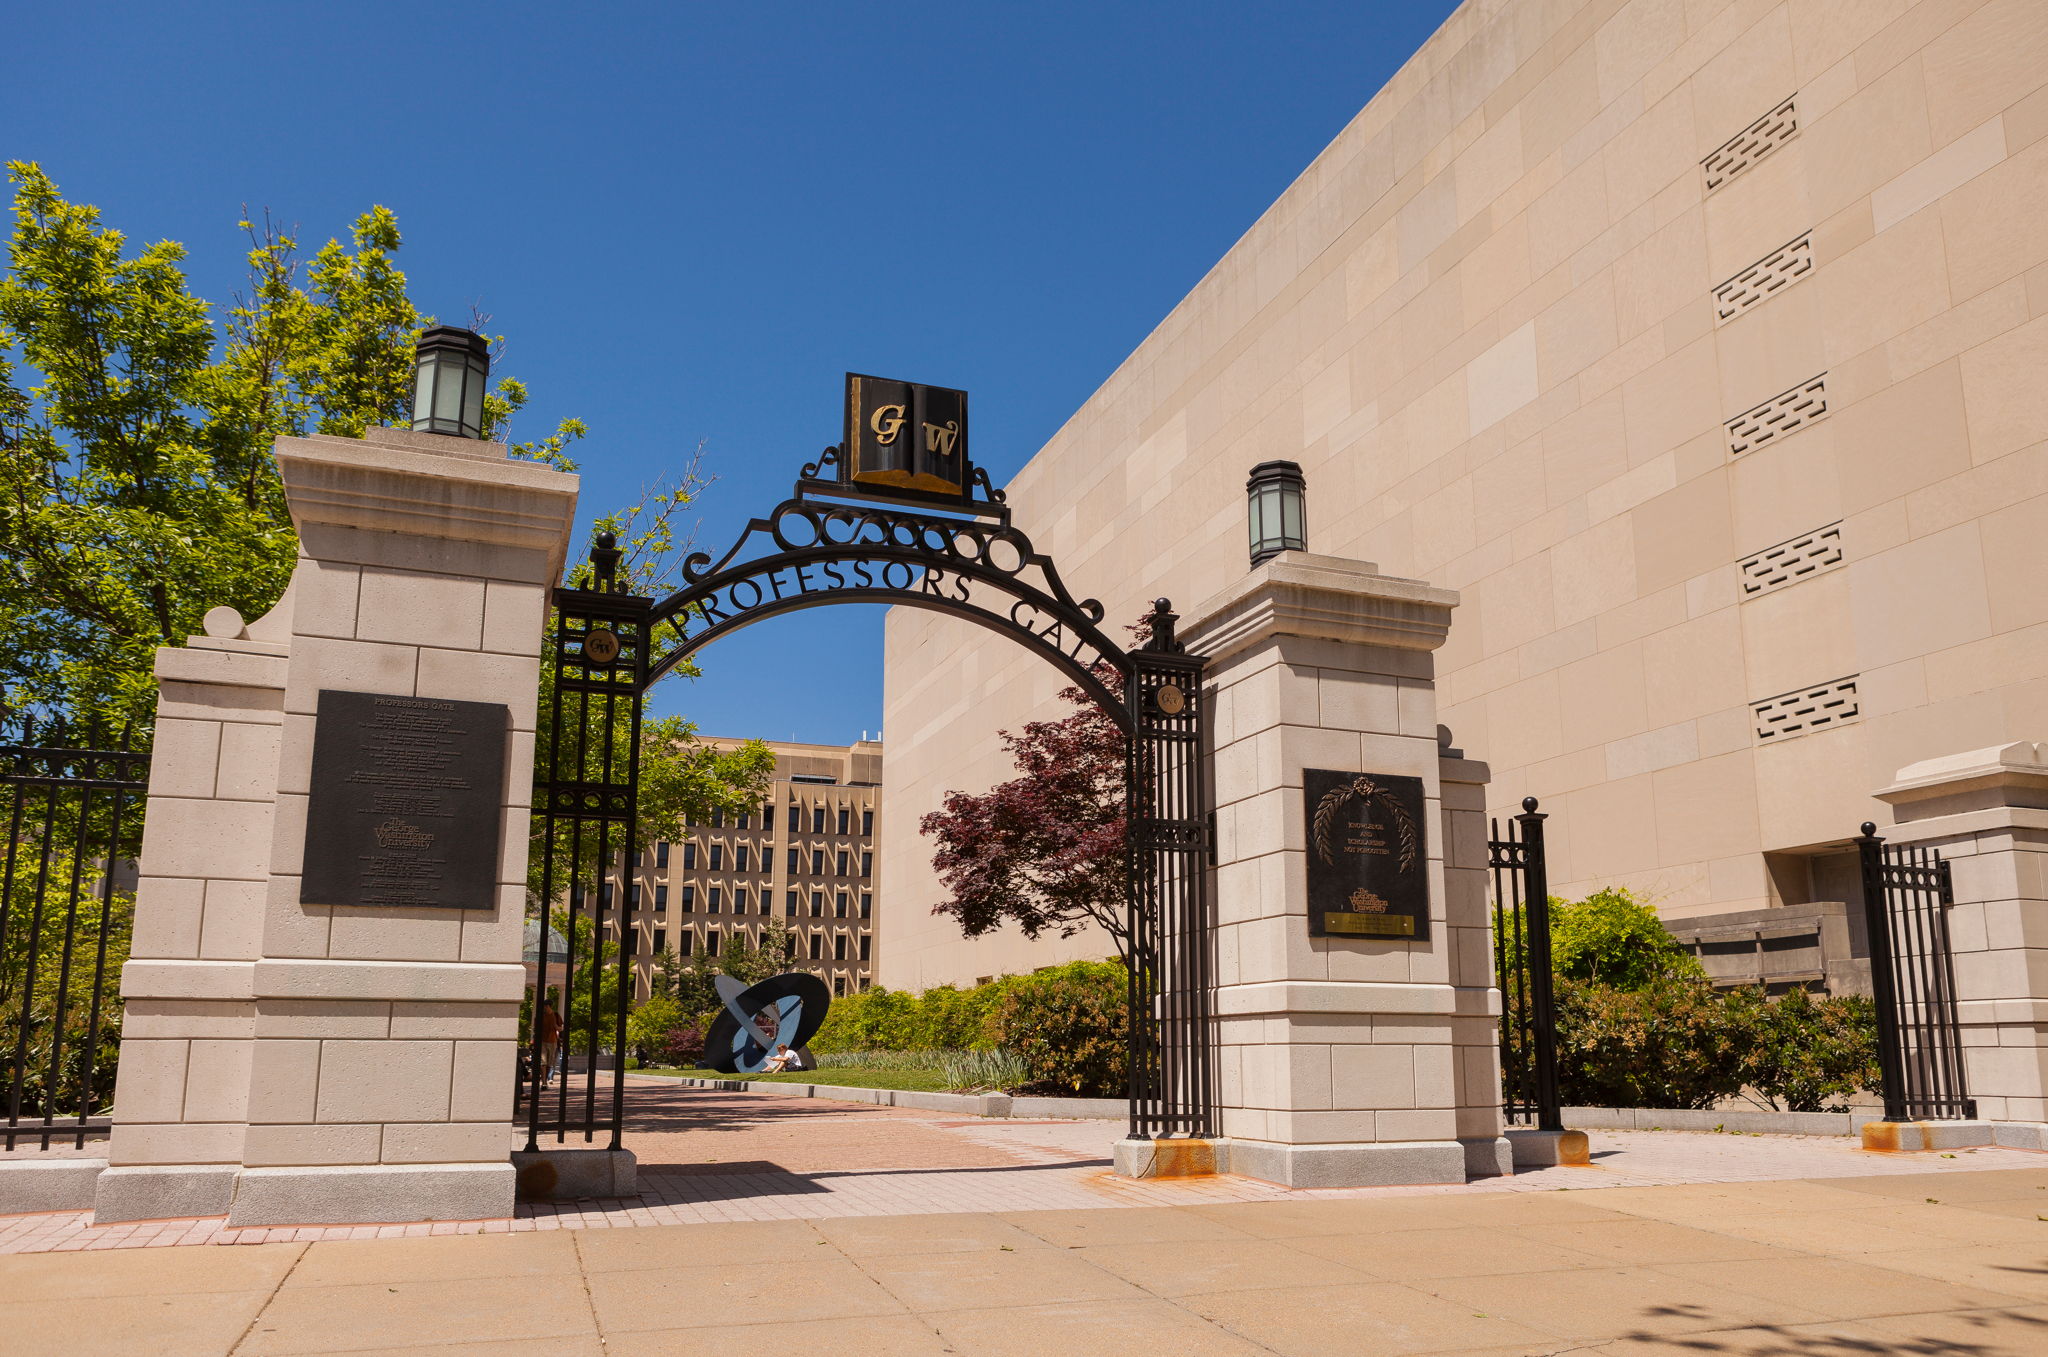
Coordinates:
1368 856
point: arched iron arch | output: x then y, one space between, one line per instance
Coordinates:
828 544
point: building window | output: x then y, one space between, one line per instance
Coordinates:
867 822
633 895
817 862
795 862
712 904
867 905
604 896
660 940
718 818
842 862
710 942
867 864
746 819
839 906
717 856
740 857
661 854
865 939
689 856
839 985
660 896
768 816
817 904
789 905
845 814
839 947
865 983
689 898
817 819
739 899
817 946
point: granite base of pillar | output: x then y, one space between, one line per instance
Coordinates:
55 1184
1892 1136
1175 1158
557 1175
371 1194
162 1192
1488 1157
1395 1164
1534 1149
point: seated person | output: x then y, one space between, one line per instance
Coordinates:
780 1061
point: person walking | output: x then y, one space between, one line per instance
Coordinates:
550 1039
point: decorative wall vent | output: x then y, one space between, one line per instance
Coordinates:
1778 416
1825 704
1764 279
1790 562
1751 144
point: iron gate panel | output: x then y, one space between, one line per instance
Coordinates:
1907 896
586 797
74 829
814 549
1522 965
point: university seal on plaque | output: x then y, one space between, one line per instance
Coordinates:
1367 856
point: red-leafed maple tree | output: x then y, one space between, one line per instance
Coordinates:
1045 850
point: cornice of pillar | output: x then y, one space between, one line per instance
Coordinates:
429 486
1327 598
2009 776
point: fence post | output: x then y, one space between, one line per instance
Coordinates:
1542 993
1883 981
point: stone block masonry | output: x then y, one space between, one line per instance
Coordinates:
293 1063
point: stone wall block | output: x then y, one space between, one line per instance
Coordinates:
325 596
1373 1075
1361 702
514 615
413 1021
150 1084
496 935
186 758
382 1081
350 666
477 1142
359 1019
184 837
419 609
378 933
248 762
154 1018
284 1080
479 676
273 1146
168 913
232 928
175 1143
217 1080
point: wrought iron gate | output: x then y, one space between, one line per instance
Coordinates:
1906 900
74 830
1170 1069
838 540
1521 954
586 792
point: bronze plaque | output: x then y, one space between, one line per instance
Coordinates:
1368 856
407 805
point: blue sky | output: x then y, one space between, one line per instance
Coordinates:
690 219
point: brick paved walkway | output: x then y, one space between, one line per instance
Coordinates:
709 1156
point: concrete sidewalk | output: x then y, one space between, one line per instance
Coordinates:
1948 1262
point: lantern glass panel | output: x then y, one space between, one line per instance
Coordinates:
1290 516
473 402
447 393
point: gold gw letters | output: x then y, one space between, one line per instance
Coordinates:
937 438
888 421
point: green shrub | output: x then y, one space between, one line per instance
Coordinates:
1670 1043
1612 938
1808 1054
649 1024
1069 1025
682 1047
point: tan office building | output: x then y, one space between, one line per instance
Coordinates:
1700 345
806 858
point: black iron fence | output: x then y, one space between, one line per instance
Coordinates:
1907 896
67 908
585 798
1521 954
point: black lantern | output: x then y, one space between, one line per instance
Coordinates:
1274 510
448 389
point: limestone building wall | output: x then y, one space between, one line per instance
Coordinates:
1696 343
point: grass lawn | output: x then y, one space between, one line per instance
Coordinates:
916 1081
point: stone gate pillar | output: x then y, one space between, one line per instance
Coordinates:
1986 812
1344 1060
294 1063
